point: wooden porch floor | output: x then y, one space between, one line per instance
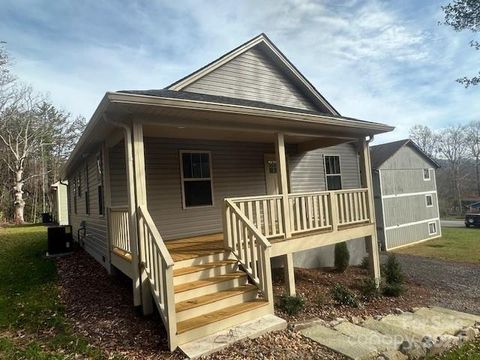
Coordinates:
195 246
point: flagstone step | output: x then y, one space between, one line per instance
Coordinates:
343 344
370 337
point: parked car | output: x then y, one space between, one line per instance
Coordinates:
472 219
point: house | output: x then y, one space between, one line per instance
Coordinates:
59 196
192 190
406 202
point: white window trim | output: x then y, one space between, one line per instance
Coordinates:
426 202
327 175
182 178
436 231
429 175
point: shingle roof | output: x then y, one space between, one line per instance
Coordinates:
381 153
215 99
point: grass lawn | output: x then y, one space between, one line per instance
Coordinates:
456 244
32 321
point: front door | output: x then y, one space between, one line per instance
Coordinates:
271 177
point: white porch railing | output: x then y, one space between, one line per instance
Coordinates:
313 211
352 206
249 246
158 267
120 228
310 211
265 212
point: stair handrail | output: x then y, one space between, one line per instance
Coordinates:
241 240
157 266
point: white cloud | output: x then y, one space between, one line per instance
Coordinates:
370 59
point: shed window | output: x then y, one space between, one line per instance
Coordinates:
332 172
426 174
432 228
75 195
196 178
429 200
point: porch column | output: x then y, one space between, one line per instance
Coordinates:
372 241
283 189
132 214
141 196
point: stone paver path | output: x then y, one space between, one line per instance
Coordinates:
426 331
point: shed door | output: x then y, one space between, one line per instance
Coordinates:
271 177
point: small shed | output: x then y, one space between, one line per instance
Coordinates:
405 192
60 202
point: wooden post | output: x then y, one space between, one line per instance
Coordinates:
132 216
283 189
372 242
141 197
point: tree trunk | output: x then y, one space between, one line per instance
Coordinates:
19 203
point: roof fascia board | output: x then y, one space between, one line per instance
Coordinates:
136 99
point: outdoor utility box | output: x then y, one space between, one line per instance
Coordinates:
46 218
60 239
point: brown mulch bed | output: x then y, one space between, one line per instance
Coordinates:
100 307
314 285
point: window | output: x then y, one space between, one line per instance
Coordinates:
100 197
87 194
426 174
332 172
75 195
429 200
196 178
432 228
79 185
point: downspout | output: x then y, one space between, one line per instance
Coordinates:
130 167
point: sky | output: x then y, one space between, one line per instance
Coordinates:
384 61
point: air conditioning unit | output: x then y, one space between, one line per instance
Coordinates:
60 240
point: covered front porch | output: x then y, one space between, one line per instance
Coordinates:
225 187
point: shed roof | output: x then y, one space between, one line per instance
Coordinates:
383 152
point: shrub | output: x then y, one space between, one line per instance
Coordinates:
342 256
393 271
291 305
369 288
394 290
344 296
365 263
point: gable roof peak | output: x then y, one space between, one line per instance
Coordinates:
263 41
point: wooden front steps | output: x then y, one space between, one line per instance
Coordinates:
211 293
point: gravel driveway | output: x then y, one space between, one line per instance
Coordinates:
455 285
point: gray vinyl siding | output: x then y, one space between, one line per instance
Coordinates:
307 172
402 174
251 76
401 181
237 170
410 234
408 209
96 225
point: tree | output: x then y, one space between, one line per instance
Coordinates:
31 129
464 15
425 138
473 144
452 147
